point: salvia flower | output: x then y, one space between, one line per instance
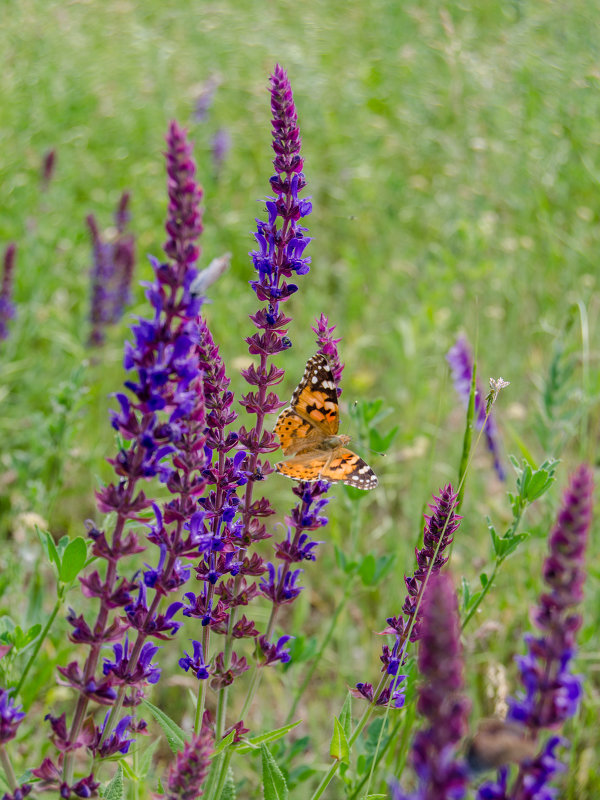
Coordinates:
7 309
551 692
112 272
195 663
161 423
460 360
11 716
438 535
440 775
187 774
279 255
205 99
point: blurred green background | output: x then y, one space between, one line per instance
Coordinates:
451 151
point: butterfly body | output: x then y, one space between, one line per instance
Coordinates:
308 433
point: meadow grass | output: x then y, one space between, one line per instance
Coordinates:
450 151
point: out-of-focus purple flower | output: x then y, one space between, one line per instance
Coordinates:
7 309
11 716
460 360
112 271
187 774
48 167
19 793
50 778
220 147
195 663
205 99
440 775
551 692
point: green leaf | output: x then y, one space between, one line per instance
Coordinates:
270 736
73 560
50 548
367 569
228 792
114 789
224 743
483 579
346 716
494 536
339 748
274 785
175 736
382 566
146 759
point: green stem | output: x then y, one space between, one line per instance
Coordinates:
8 769
40 642
377 759
223 773
483 593
465 460
499 559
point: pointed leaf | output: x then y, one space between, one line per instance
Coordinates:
271 736
50 548
146 759
339 748
114 789
274 785
224 743
346 716
175 736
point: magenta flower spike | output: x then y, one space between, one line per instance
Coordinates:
440 775
161 421
438 534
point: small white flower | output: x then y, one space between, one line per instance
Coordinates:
498 383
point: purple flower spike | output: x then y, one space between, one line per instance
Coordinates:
184 222
441 702
187 774
11 716
328 347
112 272
460 360
7 309
551 692
442 523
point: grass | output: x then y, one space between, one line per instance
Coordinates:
452 155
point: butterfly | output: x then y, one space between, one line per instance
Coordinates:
499 742
308 432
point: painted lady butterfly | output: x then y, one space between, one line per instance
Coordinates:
307 431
